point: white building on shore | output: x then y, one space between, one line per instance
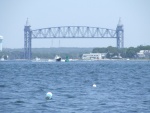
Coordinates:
93 56
1 40
144 54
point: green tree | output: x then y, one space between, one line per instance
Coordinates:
131 52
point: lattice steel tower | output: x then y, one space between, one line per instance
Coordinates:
27 41
120 35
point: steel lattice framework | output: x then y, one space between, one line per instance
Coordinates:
71 32
74 32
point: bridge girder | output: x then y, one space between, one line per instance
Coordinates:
73 32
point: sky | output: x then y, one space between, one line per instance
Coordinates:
134 14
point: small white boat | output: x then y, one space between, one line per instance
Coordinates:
2 59
51 60
37 59
57 58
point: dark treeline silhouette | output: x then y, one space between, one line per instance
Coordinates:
46 53
130 52
74 53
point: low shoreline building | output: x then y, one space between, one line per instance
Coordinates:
93 56
144 54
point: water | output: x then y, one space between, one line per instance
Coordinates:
122 87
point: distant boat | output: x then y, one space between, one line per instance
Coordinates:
2 59
57 58
117 57
37 59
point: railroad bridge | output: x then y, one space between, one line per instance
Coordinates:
71 32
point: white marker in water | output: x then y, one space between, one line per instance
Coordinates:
49 95
94 85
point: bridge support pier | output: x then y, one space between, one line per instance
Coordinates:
120 35
27 41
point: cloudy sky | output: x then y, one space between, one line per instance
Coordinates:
135 16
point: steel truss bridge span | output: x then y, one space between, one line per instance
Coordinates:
73 32
70 32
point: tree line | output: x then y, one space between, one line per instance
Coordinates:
130 52
74 53
45 53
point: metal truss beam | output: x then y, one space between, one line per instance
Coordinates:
73 32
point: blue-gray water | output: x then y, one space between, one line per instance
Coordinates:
122 87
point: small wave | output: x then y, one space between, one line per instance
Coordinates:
19 101
2 86
148 90
103 104
6 98
70 96
146 101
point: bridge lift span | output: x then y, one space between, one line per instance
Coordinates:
70 32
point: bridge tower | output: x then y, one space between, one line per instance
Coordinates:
27 41
120 35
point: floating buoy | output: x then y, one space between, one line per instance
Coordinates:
94 85
49 95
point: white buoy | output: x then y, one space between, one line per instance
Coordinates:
49 95
94 85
